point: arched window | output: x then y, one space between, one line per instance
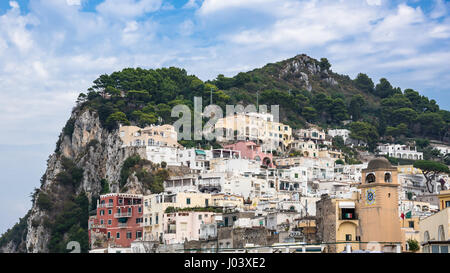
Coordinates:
370 178
387 177
257 158
441 234
426 236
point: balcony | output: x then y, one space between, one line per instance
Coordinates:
121 215
122 225
106 205
348 216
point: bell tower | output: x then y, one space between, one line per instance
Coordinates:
378 206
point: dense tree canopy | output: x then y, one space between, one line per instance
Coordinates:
143 97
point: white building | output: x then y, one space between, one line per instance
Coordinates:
183 183
294 179
444 149
400 151
196 159
159 154
344 133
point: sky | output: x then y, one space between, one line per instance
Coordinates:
51 50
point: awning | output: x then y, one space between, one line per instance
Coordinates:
200 152
347 205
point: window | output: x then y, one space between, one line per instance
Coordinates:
109 222
140 209
129 235
387 177
110 211
370 178
411 224
138 234
447 204
188 201
101 222
109 235
156 219
348 237
118 235
200 217
206 202
102 212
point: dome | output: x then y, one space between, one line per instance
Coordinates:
379 163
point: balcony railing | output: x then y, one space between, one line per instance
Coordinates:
122 225
106 205
120 215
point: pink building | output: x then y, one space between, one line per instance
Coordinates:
184 225
251 150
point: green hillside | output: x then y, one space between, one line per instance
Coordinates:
307 90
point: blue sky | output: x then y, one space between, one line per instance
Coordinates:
51 50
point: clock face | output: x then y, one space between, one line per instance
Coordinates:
370 196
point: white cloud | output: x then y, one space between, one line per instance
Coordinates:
440 9
14 4
73 2
128 8
191 4
187 28
374 2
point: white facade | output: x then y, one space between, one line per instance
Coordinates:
159 154
181 183
344 133
184 225
195 159
400 151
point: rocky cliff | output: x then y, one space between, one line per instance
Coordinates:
94 150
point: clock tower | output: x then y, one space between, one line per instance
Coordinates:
378 206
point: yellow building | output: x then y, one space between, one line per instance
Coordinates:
327 153
378 207
156 204
435 229
408 169
338 224
164 135
258 127
227 200
308 147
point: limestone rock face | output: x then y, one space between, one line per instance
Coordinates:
94 149
302 68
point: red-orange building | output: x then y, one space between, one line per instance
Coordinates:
119 218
